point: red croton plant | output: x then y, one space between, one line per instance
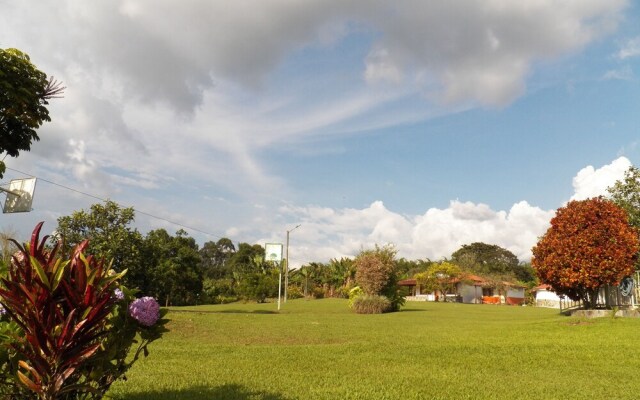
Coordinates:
589 244
62 308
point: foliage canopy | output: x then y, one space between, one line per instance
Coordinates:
24 93
589 244
440 277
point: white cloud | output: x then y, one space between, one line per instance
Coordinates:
631 48
591 182
624 73
186 86
327 233
482 51
380 68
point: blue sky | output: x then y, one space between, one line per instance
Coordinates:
423 124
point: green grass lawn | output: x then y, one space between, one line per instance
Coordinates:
320 350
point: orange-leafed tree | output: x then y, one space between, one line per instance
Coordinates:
589 244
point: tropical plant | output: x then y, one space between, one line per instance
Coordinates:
72 324
589 244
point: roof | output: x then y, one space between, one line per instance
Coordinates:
544 286
475 281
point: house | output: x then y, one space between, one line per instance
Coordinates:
472 289
546 297
414 291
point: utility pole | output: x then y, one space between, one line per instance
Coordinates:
286 271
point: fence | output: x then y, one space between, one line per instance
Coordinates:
609 297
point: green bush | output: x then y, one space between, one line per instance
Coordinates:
69 325
317 293
371 304
294 292
258 286
354 293
218 291
396 295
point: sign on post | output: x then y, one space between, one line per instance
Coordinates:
273 253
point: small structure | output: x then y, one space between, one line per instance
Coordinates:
471 289
546 297
414 291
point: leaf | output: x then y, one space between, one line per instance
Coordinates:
40 272
57 277
29 383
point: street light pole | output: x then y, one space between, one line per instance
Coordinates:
286 271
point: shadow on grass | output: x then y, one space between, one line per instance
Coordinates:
225 392
226 311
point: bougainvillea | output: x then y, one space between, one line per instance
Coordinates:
589 244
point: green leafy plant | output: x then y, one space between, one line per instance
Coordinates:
73 328
354 293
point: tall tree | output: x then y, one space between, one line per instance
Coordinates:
589 244
108 227
626 194
24 95
243 260
482 258
174 265
215 257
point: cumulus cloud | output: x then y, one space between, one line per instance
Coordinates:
591 182
436 234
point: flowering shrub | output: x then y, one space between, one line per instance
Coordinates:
145 310
67 333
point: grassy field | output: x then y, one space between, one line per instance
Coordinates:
319 350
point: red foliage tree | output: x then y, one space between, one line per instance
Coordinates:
589 244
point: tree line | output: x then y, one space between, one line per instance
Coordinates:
174 269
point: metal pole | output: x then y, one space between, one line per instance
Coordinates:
279 287
286 271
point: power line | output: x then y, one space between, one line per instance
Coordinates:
119 205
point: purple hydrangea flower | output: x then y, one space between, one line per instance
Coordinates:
118 294
2 310
145 310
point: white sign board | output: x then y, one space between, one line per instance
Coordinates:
20 195
273 252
